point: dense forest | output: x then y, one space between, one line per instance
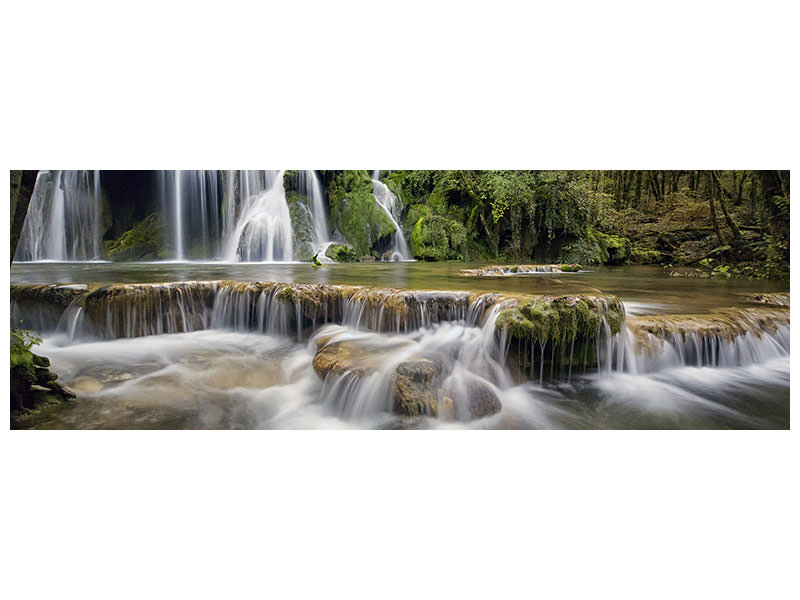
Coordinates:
720 223
734 222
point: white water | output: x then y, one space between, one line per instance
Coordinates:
178 207
263 231
392 207
310 186
245 360
63 220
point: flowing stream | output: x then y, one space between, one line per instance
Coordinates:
208 353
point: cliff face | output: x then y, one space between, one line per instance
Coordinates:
22 183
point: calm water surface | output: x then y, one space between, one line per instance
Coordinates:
635 285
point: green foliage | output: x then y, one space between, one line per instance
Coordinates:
22 340
438 238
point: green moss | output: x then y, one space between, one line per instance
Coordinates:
286 295
141 242
438 238
302 226
645 257
561 319
355 213
573 268
615 249
584 251
341 253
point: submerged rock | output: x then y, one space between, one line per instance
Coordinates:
501 270
417 385
773 299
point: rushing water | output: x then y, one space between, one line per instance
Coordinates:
245 360
392 206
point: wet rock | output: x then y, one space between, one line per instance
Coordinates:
482 400
417 387
358 357
774 299
725 324
502 270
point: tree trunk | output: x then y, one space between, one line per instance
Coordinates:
721 193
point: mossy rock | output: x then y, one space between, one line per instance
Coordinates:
616 249
141 242
645 257
561 319
355 213
573 268
438 238
341 253
32 383
302 225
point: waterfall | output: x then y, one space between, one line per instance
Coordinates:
206 215
263 232
63 220
310 186
178 202
726 339
191 202
392 207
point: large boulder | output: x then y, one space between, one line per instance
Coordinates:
417 387
356 216
302 225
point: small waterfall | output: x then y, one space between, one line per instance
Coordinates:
392 207
178 206
263 231
191 206
311 188
64 218
728 338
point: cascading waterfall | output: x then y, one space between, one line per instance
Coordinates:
310 186
263 231
206 215
392 207
190 206
731 338
63 220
